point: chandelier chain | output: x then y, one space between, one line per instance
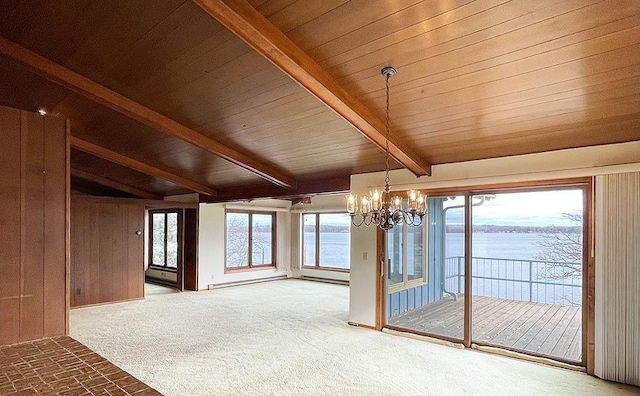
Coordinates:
382 210
386 178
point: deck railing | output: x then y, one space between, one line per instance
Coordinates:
548 282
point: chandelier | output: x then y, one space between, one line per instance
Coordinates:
379 208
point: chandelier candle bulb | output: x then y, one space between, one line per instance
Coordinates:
413 203
397 203
351 204
421 203
366 206
375 199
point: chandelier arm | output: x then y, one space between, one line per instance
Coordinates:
413 218
417 219
375 219
369 220
398 217
353 220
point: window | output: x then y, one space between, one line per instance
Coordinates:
326 240
250 239
164 238
405 259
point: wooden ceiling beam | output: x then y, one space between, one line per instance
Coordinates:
100 94
252 27
148 203
103 181
131 163
305 188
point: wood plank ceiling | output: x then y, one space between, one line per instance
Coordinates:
476 79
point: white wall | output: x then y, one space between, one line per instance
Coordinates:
211 246
211 243
588 161
322 203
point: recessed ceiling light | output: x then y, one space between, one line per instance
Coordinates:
42 112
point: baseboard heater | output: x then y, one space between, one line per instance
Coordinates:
161 282
325 280
245 282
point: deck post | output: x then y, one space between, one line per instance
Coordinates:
531 281
460 274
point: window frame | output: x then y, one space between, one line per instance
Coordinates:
406 283
150 262
317 265
250 266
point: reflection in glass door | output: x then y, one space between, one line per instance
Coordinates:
425 272
405 256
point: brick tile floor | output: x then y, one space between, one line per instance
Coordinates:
63 366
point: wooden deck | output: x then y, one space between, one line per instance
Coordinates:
547 329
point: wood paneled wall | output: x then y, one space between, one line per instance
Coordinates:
190 250
107 250
33 226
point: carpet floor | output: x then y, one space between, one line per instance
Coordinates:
291 338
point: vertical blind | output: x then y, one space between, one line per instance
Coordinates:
618 278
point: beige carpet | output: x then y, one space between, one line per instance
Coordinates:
291 338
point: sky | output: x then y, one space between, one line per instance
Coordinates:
542 208
333 218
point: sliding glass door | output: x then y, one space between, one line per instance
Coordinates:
425 271
527 271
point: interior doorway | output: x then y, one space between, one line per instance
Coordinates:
171 258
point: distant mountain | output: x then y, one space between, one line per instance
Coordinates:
328 228
489 228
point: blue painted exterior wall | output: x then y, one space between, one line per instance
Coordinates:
416 297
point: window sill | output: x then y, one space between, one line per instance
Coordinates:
405 286
315 268
248 269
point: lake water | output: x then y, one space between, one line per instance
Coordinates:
513 272
501 245
335 247
505 266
